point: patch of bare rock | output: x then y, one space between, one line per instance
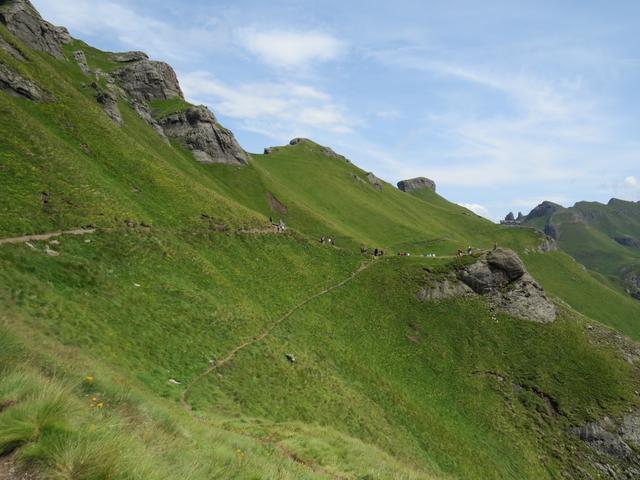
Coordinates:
501 277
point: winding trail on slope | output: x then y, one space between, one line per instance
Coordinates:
184 400
47 236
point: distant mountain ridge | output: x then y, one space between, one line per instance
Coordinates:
604 237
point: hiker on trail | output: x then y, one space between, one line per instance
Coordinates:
375 252
460 253
322 239
469 250
271 220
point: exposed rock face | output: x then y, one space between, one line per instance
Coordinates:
510 217
416 183
144 80
198 129
616 441
81 58
16 85
502 277
548 245
11 49
543 210
109 103
24 21
627 241
142 109
443 290
128 57
375 181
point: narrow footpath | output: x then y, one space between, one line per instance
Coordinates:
184 397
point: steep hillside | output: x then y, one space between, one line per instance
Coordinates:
154 323
605 238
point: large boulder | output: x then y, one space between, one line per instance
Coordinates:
416 184
507 261
502 278
23 20
145 80
199 131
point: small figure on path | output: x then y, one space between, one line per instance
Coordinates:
290 357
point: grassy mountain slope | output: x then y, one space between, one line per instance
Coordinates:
98 343
604 238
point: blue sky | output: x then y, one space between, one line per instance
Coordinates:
503 105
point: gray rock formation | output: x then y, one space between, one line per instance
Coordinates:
416 183
142 109
24 21
109 102
627 241
128 57
199 131
543 210
375 181
510 217
11 49
18 86
501 277
444 290
617 442
81 58
144 80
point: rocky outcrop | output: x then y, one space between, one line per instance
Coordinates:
616 443
500 276
144 80
128 57
81 59
375 181
545 209
416 183
142 109
627 241
15 84
109 104
199 131
24 21
11 49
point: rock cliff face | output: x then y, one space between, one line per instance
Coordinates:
502 278
145 80
16 85
416 183
24 21
199 131
615 443
138 82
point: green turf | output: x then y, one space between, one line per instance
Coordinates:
184 267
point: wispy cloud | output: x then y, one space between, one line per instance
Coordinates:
134 30
290 49
476 208
278 110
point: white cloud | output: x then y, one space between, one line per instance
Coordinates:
630 181
278 110
134 30
476 208
290 48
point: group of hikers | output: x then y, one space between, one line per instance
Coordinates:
469 251
376 251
